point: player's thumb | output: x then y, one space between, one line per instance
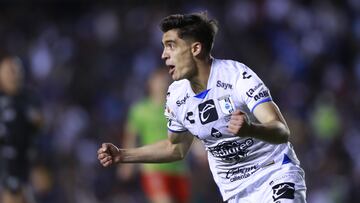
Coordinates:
105 146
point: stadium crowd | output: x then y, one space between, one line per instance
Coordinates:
89 63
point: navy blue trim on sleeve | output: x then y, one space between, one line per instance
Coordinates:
176 131
262 101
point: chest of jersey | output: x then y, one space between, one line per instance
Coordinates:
206 115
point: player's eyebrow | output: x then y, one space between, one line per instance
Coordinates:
167 41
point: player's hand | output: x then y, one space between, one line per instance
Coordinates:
238 124
108 154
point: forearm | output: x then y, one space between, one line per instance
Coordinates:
273 132
163 151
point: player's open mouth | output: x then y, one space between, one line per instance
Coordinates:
171 69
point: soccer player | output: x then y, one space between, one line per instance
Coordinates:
162 183
227 106
20 118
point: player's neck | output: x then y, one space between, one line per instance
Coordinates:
199 82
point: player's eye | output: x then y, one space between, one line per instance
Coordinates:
170 45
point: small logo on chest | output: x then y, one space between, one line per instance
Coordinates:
183 100
190 117
223 85
215 133
226 104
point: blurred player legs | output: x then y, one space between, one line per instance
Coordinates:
162 183
161 187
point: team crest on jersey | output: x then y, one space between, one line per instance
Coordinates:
226 104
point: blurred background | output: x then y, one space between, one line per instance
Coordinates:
89 61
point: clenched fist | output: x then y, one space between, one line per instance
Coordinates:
238 124
108 154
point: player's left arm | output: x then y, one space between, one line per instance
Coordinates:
271 128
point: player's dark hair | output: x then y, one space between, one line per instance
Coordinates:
194 26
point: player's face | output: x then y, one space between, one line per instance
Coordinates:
178 56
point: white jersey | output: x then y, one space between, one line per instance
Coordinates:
234 161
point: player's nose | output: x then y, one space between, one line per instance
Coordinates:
164 55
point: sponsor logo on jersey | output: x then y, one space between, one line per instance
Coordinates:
251 91
224 85
207 112
283 191
189 117
226 104
215 133
261 94
241 173
246 75
232 151
182 101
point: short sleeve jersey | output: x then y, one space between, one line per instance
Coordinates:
233 160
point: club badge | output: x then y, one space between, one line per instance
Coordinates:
226 104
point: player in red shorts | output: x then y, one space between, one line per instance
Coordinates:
162 183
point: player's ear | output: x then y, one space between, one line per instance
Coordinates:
196 48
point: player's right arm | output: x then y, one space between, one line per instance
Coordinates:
172 149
